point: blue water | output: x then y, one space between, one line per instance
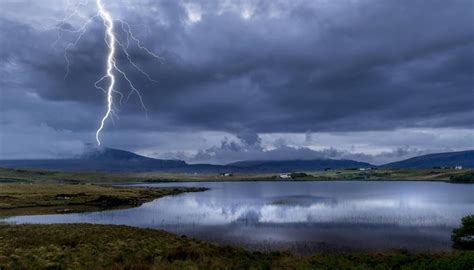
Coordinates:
300 216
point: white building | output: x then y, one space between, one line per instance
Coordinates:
459 167
285 176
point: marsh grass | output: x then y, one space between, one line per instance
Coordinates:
86 246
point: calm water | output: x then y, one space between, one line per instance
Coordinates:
300 216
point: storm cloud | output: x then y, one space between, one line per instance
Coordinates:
246 70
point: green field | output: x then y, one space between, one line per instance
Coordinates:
34 176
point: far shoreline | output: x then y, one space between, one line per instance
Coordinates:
28 176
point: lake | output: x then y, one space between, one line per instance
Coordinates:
300 216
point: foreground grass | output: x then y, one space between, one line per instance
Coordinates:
85 246
23 199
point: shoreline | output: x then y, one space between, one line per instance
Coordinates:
39 199
284 181
25 176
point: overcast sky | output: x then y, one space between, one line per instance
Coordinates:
364 79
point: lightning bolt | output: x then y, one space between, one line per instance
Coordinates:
110 41
113 44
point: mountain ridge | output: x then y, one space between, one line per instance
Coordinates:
116 160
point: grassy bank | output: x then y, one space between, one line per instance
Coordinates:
38 176
23 199
83 246
466 178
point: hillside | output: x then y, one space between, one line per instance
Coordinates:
103 159
449 159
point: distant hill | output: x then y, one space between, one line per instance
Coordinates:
111 154
297 165
103 159
463 158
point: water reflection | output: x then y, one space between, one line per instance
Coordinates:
301 216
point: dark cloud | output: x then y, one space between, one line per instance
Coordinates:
252 67
238 150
